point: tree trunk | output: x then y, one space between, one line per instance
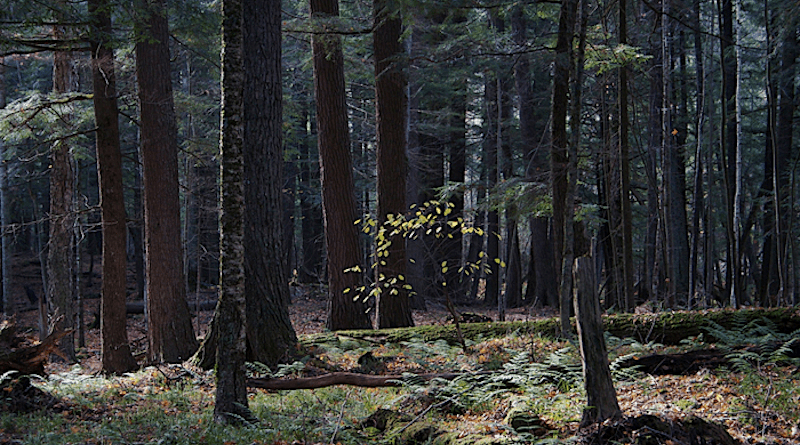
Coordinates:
270 336
116 354
490 147
5 243
336 166
170 335
625 174
728 142
230 405
698 203
600 393
60 252
392 304
310 208
541 289
558 149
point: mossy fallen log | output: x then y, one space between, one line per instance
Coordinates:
668 328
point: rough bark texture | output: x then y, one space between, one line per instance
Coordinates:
5 244
60 252
115 350
336 165
230 405
600 393
270 336
558 139
392 306
170 334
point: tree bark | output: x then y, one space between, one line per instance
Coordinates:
5 239
60 252
558 149
392 305
116 354
270 336
336 166
170 334
625 174
600 393
230 405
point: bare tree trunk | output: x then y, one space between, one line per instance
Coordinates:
625 174
336 166
116 354
230 404
60 252
170 334
5 244
393 305
559 157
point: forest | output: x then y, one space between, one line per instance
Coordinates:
399 221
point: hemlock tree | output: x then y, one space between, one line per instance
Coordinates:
60 252
169 324
269 333
393 305
115 352
336 171
230 405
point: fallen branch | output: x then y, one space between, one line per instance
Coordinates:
344 378
31 359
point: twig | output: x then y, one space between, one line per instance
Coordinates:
339 419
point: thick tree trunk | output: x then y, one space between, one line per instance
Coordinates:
230 405
116 354
170 334
60 252
336 166
392 305
270 336
541 289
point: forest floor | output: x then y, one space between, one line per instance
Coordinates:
759 404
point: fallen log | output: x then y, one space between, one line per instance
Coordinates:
28 359
678 364
344 378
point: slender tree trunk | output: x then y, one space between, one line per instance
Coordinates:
60 252
698 203
5 243
393 305
559 158
492 99
625 183
230 405
336 165
728 141
170 334
652 284
116 354
738 283
310 209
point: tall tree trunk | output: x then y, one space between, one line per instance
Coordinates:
5 238
541 289
728 141
170 334
698 203
116 354
784 151
336 166
270 336
60 252
230 405
393 306
677 248
625 176
652 285
738 282
310 208
491 125
558 150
